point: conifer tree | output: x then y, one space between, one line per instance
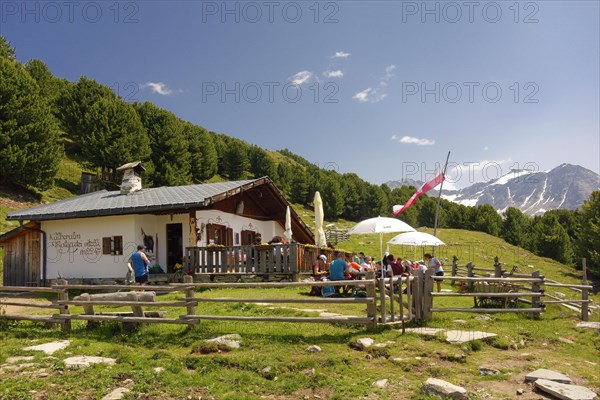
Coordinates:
29 148
203 155
113 134
235 160
169 146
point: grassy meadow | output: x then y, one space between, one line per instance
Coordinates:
190 369
338 372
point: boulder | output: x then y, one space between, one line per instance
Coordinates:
548 375
86 361
484 371
443 389
564 391
49 348
380 384
590 325
362 343
313 349
229 341
268 373
116 394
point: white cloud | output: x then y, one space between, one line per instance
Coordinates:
334 74
414 140
158 88
389 71
363 96
486 148
377 94
301 77
340 54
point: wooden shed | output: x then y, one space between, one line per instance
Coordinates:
21 259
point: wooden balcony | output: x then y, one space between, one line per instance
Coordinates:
291 259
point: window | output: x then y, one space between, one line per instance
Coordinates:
112 245
219 234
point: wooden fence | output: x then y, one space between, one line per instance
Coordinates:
190 301
514 286
391 300
292 260
578 305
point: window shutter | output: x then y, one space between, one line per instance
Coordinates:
229 237
210 233
106 245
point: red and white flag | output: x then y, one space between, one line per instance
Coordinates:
422 190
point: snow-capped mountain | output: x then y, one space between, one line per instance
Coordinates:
566 186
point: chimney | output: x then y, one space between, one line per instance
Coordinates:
132 177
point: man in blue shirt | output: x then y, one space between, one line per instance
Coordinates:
140 264
337 270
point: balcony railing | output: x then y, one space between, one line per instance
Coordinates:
285 259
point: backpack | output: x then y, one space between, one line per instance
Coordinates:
315 291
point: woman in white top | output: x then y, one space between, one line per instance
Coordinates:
434 263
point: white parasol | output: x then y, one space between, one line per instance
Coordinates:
380 225
416 239
320 239
288 225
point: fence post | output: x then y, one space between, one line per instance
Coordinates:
401 299
293 260
371 293
64 310
427 297
584 305
417 294
584 292
189 294
383 305
392 299
409 298
498 269
470 274
454 270
535 300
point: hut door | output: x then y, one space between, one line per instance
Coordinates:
174 245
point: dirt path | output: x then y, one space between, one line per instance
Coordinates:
24 309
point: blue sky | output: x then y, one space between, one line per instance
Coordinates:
381 88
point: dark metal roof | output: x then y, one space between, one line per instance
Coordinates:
144 201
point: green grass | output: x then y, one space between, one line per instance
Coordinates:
340 372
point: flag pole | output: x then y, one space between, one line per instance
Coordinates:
437 208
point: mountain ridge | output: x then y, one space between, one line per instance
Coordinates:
566 186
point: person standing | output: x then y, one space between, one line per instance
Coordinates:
436 265
140 265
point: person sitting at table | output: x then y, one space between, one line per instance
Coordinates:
337 269
353 268
320 267
406 267
394 267
361 258
367 264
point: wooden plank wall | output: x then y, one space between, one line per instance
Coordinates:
22 260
